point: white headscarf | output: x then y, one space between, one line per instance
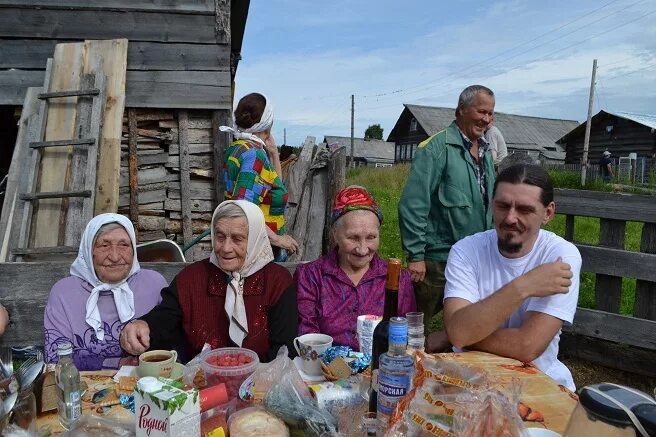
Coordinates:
83 268
258 254
265 123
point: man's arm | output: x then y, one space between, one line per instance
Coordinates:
610 169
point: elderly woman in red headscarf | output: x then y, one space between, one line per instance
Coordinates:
350 280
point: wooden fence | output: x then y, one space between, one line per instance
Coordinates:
602 335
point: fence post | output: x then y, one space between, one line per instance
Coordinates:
569 227
645 294
608 289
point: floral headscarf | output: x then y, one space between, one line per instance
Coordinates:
353 198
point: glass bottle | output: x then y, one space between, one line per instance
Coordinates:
67 379
379 341
25 410
396 369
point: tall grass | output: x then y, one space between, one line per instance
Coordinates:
386 185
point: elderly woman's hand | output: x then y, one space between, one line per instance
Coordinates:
135 338
270 146
4 319
286 242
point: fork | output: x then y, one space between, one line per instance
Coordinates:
24 366
6 361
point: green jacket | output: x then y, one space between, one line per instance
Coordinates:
441 202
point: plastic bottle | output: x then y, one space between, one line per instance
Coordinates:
67 378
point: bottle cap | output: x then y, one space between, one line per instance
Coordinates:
212 396
149 384
64 349
398 331
393 274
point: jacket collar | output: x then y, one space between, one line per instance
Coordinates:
331 267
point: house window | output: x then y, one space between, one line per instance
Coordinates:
413 125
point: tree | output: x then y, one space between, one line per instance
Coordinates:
374 132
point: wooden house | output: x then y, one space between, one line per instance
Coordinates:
182 58
366 152
621 133
534 136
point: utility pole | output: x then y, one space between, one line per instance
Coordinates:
586 140
284 136
351 162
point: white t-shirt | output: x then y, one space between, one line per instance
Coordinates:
475 270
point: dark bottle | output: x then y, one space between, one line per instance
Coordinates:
381 333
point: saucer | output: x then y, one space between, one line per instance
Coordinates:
298 361
176 373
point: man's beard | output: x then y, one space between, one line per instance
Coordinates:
506 246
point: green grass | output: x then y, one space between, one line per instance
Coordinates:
386 185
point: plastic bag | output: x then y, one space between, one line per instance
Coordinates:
193 374
95 426
489 413
255 422
430 406
285 395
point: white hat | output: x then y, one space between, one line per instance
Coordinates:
606 153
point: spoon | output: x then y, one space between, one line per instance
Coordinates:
30 374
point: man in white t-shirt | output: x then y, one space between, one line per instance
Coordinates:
510 289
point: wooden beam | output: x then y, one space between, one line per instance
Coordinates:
14 84
187 6
630 207
185 182
221 141
608 288
90 24
615 262
337 181
645 294
132 166
614 327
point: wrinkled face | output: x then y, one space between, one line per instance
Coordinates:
357 238
518 215
473 120
112 256
231 242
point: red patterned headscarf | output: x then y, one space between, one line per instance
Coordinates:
355 198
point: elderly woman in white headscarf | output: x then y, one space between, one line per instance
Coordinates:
106 290
252 169
236 297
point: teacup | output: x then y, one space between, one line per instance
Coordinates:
157 363
310 348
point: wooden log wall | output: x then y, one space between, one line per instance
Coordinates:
159 203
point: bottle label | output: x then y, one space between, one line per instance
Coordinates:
75 405
391 388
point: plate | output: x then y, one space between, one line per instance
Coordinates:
176 372
298 361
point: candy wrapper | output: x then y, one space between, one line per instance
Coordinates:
357 361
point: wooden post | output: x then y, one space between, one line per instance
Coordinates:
586 140
337 180
185 181
569 227
645 294
352 129
608 289
221 141
133 169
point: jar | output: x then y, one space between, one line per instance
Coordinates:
25 410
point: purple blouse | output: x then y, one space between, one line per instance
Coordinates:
64 319
329 303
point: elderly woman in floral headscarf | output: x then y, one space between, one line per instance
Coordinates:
350 280
236 297
252 169
106 290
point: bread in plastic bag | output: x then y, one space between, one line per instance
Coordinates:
255 422
96 426
489 413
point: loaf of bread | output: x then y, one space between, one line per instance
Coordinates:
255 422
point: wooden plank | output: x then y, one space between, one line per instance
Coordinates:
176 226
313 246
569 227
615 262
615 206
146 176
614 327
203 162
58 143
178 89
145 198
14 84
220 142
337 181
607 353
196 205
645 294
196 136
47 250
54 195
10 206
185 182
194 149
91 24
206 216
194 123
68 65
296 181
608 288
146 159
110 58
189 6
133 170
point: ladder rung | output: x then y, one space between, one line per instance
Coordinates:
43 250
55 195
71 93
77 142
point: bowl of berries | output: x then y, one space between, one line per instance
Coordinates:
229 365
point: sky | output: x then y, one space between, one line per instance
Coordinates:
310 56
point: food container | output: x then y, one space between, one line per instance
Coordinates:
217 369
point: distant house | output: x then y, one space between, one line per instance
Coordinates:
619 132
366 152
534 136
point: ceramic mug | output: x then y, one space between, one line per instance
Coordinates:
310 348
157 363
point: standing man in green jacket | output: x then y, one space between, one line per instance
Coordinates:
447 195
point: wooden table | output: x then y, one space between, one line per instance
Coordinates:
541 393
96 381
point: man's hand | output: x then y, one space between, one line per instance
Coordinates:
417 270
128 361
546 280
135 338
437 342
286 242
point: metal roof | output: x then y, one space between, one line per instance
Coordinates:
519 131
648 120
378 150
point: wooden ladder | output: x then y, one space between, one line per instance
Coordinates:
80 195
